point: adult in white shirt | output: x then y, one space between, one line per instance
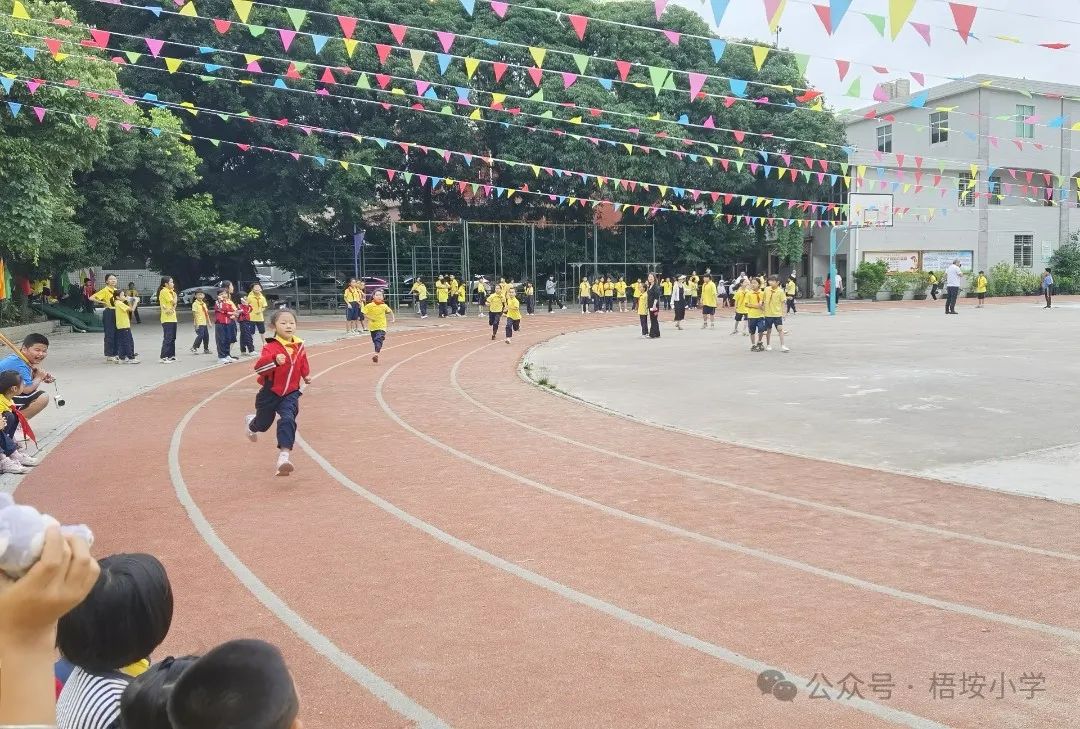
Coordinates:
838 284
954 278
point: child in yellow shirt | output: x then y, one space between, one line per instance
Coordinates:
495 311
773 307
375 312
125 344
513 314
754 302
740 306
200 317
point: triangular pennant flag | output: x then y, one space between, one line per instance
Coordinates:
132 56
173 64
773 10
922 29
287 37
348 25
536 75
738 86
471 64
842 67
398 31
899 10
350 46
446 39
319 41
15 107
964 15
673 37
417 58
188 10
623 68
499 8
297 16
256 30
39 112
19 11
718 46
719 7
658 76
760 54
837 10
823 14
855 90
697 81
538 55
383 51
581 61
579 22
154 45
243 9
802 60
222 26
568 80
878 21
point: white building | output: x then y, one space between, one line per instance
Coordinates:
920 148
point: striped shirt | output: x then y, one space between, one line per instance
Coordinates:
89 701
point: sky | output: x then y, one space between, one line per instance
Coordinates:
857 40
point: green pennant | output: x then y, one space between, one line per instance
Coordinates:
659 76
844 166
224 117
215 142
446 110
806 175
878 21
408 177
132 56
475 187
582 62
208 79
547 115
801 61
538 96
301 66
256 30
855 89
367 169
739 165
297 16
362 82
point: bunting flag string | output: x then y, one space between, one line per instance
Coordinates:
784 165
468 157
424 180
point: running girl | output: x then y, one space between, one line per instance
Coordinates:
375 313
280 367
495 310
513 314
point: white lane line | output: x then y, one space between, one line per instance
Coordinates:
958 608
358 672
880 711
844 511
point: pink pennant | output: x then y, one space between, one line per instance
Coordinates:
919 78
697 80
499 8
383 80
673 37
398 31
92 122
384 52
568 79
709 123
222 26
922 29
421 87
659 6
32 86
254 67
536 75
964 15
287 37
295 155
291 71
446 39
899 159
880 69
390 174
348 25
154 45
579 22
126 126
880 94
825 17
842 68
39 113
739 135
624 68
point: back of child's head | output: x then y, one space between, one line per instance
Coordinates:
144 704
242 684
124 618
10 380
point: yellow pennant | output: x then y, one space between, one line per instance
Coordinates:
350 46
186 137
416 57
344 164
538 55
249 58
188 10
189 107
476 114
471 64
497 98
243 8
60 57
19 11
899 10
760 54
535 169
172 64
575 120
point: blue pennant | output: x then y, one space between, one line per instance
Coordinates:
607 83
321 161
31 53
718 48
444 61
6 83
318 41
155 9
15 107
469 5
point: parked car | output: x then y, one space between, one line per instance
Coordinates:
317 292
374 283
187 296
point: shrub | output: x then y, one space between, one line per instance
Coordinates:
920 283
870 277
1005 279
896 284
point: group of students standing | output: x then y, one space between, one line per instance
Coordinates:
452 296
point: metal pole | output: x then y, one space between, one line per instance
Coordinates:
356 254
393 283
653 227
501 269
431 254
532 239
624 252
595 253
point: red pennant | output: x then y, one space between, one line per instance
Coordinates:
739 135
280 122
624 68
536 75
499 69
825 17
92 122
579 22
292 72
327 77
842 67
222 26
348 25
390 174
1054 46
398 31
383 51
383 80
101 38
53 45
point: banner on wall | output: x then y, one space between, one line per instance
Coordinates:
940 260
898 261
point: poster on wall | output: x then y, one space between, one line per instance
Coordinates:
898 261
940 260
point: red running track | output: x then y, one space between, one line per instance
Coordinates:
458 547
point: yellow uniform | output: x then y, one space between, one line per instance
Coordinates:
513 309
105 296
740 301
642 304
352 295
167 302
790 288
752 301
123 314
375 314
609 288
257 302
420 290
200 314
708 295
620 289
454 288
774 302
495 303
442 292
666 288
583 289
980 285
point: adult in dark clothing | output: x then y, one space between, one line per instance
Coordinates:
652 290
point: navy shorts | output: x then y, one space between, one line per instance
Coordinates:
739 317
708 309
352 313
773 321
757 325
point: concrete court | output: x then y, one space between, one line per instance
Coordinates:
988 397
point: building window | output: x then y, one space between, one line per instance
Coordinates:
884 138
1023 246
1024 130
965 190
939 127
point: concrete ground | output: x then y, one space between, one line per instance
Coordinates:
987 398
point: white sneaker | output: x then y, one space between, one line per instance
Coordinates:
164 360
9 465
225 360
251 434
284 467
768 348
24 459
112 360
133 360
784 349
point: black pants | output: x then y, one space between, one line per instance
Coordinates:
423 308
125 344
933 292
168 339
609 303
247 336
269 404
512 325
791 304
453 305
584 305
644 324
530 304
680 310
1048 292
108 321
442 310
261 326
138 319
202 337
667 301
378 336
493 320
221 337
950 300
550 302
654 324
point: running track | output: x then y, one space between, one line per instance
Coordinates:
458 547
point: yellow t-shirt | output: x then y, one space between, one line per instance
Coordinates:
980 285
123 318
420 290
708 294
350 295
495 303
933 279
442 292
200 314
740 301
790 288
375 314
774 301
454 287
257 302
167 300
609 288
642 304
752 301
104 296
513 308
666 287
583 289
620 289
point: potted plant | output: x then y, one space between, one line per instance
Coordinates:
920 285
896 284
869 278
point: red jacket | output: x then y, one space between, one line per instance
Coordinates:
282 379
224 312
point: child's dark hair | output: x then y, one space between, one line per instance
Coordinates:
10 379
124 618
165 280
253 284
280 313
772 277
144 704
34 338
242 684
222 290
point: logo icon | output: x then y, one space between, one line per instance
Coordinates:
774 682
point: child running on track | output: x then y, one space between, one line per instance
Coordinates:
513 314
495 310
375 312
280 367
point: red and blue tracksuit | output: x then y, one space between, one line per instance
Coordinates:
280 393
